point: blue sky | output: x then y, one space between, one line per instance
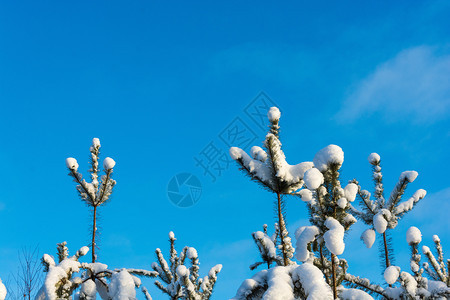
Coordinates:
157 82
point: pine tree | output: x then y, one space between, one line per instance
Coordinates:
329 206
326 199
94 193
69 278
62 281
413 285
381 214
182 282
269 169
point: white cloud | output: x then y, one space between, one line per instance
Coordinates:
415 84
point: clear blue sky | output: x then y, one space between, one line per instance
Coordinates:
159 81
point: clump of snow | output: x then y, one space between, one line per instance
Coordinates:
409 204
391 274
313 178
342 203
331 154
191 253
394 292
304 235
426 250
182 271
368 237
306 195
108 163
312 281
96 142
334 237
88 289
83 250
236 153
414 266
48 259
349 219
410 176
354 294
350 192
279 284
258 153
410 283
374 158
296 172
434 286
436 239
3 291
250 284
171 235
72 163
413 236
97 267
274 114
122 286
70 265
214 270
379 222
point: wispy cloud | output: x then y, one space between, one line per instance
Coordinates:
415 84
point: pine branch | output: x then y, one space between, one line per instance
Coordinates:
364 283
103 187
397 193
434 263
146 293
141 272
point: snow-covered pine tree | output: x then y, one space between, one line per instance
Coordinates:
72 279
269 168
328 204
93 193
414 285
381 214
62 281
180 281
